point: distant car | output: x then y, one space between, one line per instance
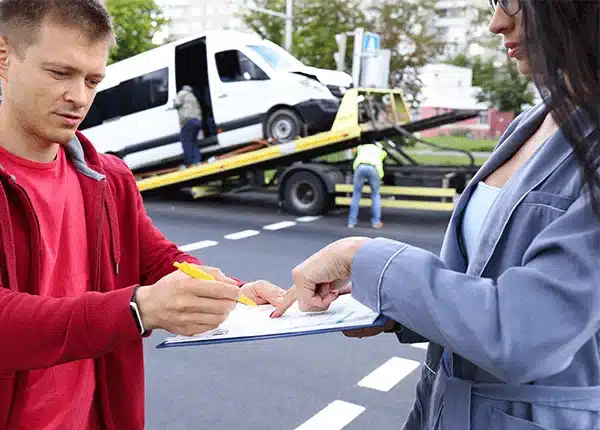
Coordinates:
254 88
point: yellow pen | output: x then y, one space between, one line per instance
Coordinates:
197 273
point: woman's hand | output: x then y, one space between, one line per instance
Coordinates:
322 278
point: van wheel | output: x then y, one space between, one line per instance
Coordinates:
304 194
283 125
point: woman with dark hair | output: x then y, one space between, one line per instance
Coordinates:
511 307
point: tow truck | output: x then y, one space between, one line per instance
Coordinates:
306 178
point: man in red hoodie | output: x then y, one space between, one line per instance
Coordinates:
84 275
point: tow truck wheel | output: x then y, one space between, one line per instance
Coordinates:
304 194
283 125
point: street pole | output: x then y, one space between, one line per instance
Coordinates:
288 16
359 34
289 12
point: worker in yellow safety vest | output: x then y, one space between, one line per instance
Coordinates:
368 166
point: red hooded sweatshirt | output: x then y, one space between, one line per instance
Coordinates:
125 250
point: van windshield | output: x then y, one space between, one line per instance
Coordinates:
279 59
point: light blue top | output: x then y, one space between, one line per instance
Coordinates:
477 209
520 316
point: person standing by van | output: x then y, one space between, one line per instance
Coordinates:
190 120
84 274
368 166
202 93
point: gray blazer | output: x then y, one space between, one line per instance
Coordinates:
521 318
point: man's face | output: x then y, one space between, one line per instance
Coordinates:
49 89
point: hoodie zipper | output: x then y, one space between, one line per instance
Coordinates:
100 206
37 244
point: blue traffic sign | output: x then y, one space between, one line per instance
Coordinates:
371 42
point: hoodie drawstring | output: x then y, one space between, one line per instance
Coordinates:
7 241
114 230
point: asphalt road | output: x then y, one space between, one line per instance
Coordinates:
308 382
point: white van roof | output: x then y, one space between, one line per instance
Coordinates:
162 56
225 35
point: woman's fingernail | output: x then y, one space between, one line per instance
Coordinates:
272 313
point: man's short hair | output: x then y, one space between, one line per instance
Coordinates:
20 20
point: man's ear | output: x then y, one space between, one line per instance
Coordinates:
6 49
4 54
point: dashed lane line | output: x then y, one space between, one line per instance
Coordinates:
308 218
248 233
198 245
423 345
386 376
242 234
335 416
279 225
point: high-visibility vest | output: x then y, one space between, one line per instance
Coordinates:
370 154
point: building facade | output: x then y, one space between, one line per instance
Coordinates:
196 16
446 88
454 24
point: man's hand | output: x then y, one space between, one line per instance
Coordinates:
183 305
217 274
320 279
262 292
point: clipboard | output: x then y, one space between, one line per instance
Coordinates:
247 324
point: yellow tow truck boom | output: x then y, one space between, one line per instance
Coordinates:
364 115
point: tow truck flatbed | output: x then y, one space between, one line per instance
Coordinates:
296 159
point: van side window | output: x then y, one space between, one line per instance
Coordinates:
104 107
232 65
144 92
131 96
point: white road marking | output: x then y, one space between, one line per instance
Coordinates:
389 374
423 345
308 218
335 416
198 245
279 225
242 234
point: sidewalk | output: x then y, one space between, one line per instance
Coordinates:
447 153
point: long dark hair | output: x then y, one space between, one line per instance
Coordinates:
562 38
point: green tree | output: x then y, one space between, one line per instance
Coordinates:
319 22
500 87
316 22
406 29
135 22
483 70
460 60
507 90
267 26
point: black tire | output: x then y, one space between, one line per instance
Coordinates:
283 125
305 194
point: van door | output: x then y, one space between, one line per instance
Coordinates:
241 94
132 119
148 123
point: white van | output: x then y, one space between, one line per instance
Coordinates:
249 88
